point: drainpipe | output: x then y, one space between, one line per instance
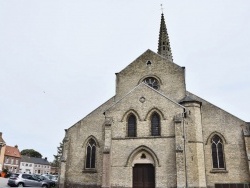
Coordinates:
184 137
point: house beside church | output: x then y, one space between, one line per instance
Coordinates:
34 165
10 158
155 134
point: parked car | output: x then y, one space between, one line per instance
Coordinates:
46 179
26 180
53 178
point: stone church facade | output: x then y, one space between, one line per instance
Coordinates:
155 134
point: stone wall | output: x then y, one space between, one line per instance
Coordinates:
229 128
161 148
181 154
170 75
91 126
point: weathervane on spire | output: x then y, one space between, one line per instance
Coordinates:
161 8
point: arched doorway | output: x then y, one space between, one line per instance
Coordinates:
143 161
143 176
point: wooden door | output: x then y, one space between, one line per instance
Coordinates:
143 176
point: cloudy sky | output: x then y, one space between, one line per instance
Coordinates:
58 58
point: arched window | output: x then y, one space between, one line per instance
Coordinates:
132 126
217 152
155 125
152 82
91 154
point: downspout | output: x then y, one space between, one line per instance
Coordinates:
184 137
203 147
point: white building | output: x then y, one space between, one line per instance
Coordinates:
33 165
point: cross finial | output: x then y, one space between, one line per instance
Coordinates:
161 8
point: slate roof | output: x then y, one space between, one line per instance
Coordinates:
12 151
34 160
188 98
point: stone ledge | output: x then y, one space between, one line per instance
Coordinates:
89 171
218 171
147 137
192 141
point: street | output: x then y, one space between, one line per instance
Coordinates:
3 182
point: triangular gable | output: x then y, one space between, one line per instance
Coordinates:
149 52
142 83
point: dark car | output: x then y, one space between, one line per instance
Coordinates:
26 180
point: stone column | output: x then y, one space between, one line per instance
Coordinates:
180 151
196 176
106 168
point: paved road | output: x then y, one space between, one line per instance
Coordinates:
3 182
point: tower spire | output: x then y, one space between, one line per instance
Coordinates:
163 42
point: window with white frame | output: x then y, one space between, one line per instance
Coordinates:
7 160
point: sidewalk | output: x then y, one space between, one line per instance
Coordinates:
3 182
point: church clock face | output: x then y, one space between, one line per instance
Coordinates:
152 82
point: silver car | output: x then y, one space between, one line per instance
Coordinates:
26 180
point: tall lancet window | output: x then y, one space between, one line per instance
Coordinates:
91 154
132 126
155 125
217 152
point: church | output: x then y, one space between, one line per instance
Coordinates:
155 134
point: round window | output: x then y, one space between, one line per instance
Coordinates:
152 82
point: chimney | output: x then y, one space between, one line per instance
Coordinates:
16 146
2 142
45 158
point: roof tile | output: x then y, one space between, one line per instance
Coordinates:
12 151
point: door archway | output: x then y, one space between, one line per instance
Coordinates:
143 161
143 176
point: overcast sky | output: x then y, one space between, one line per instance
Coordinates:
58 58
